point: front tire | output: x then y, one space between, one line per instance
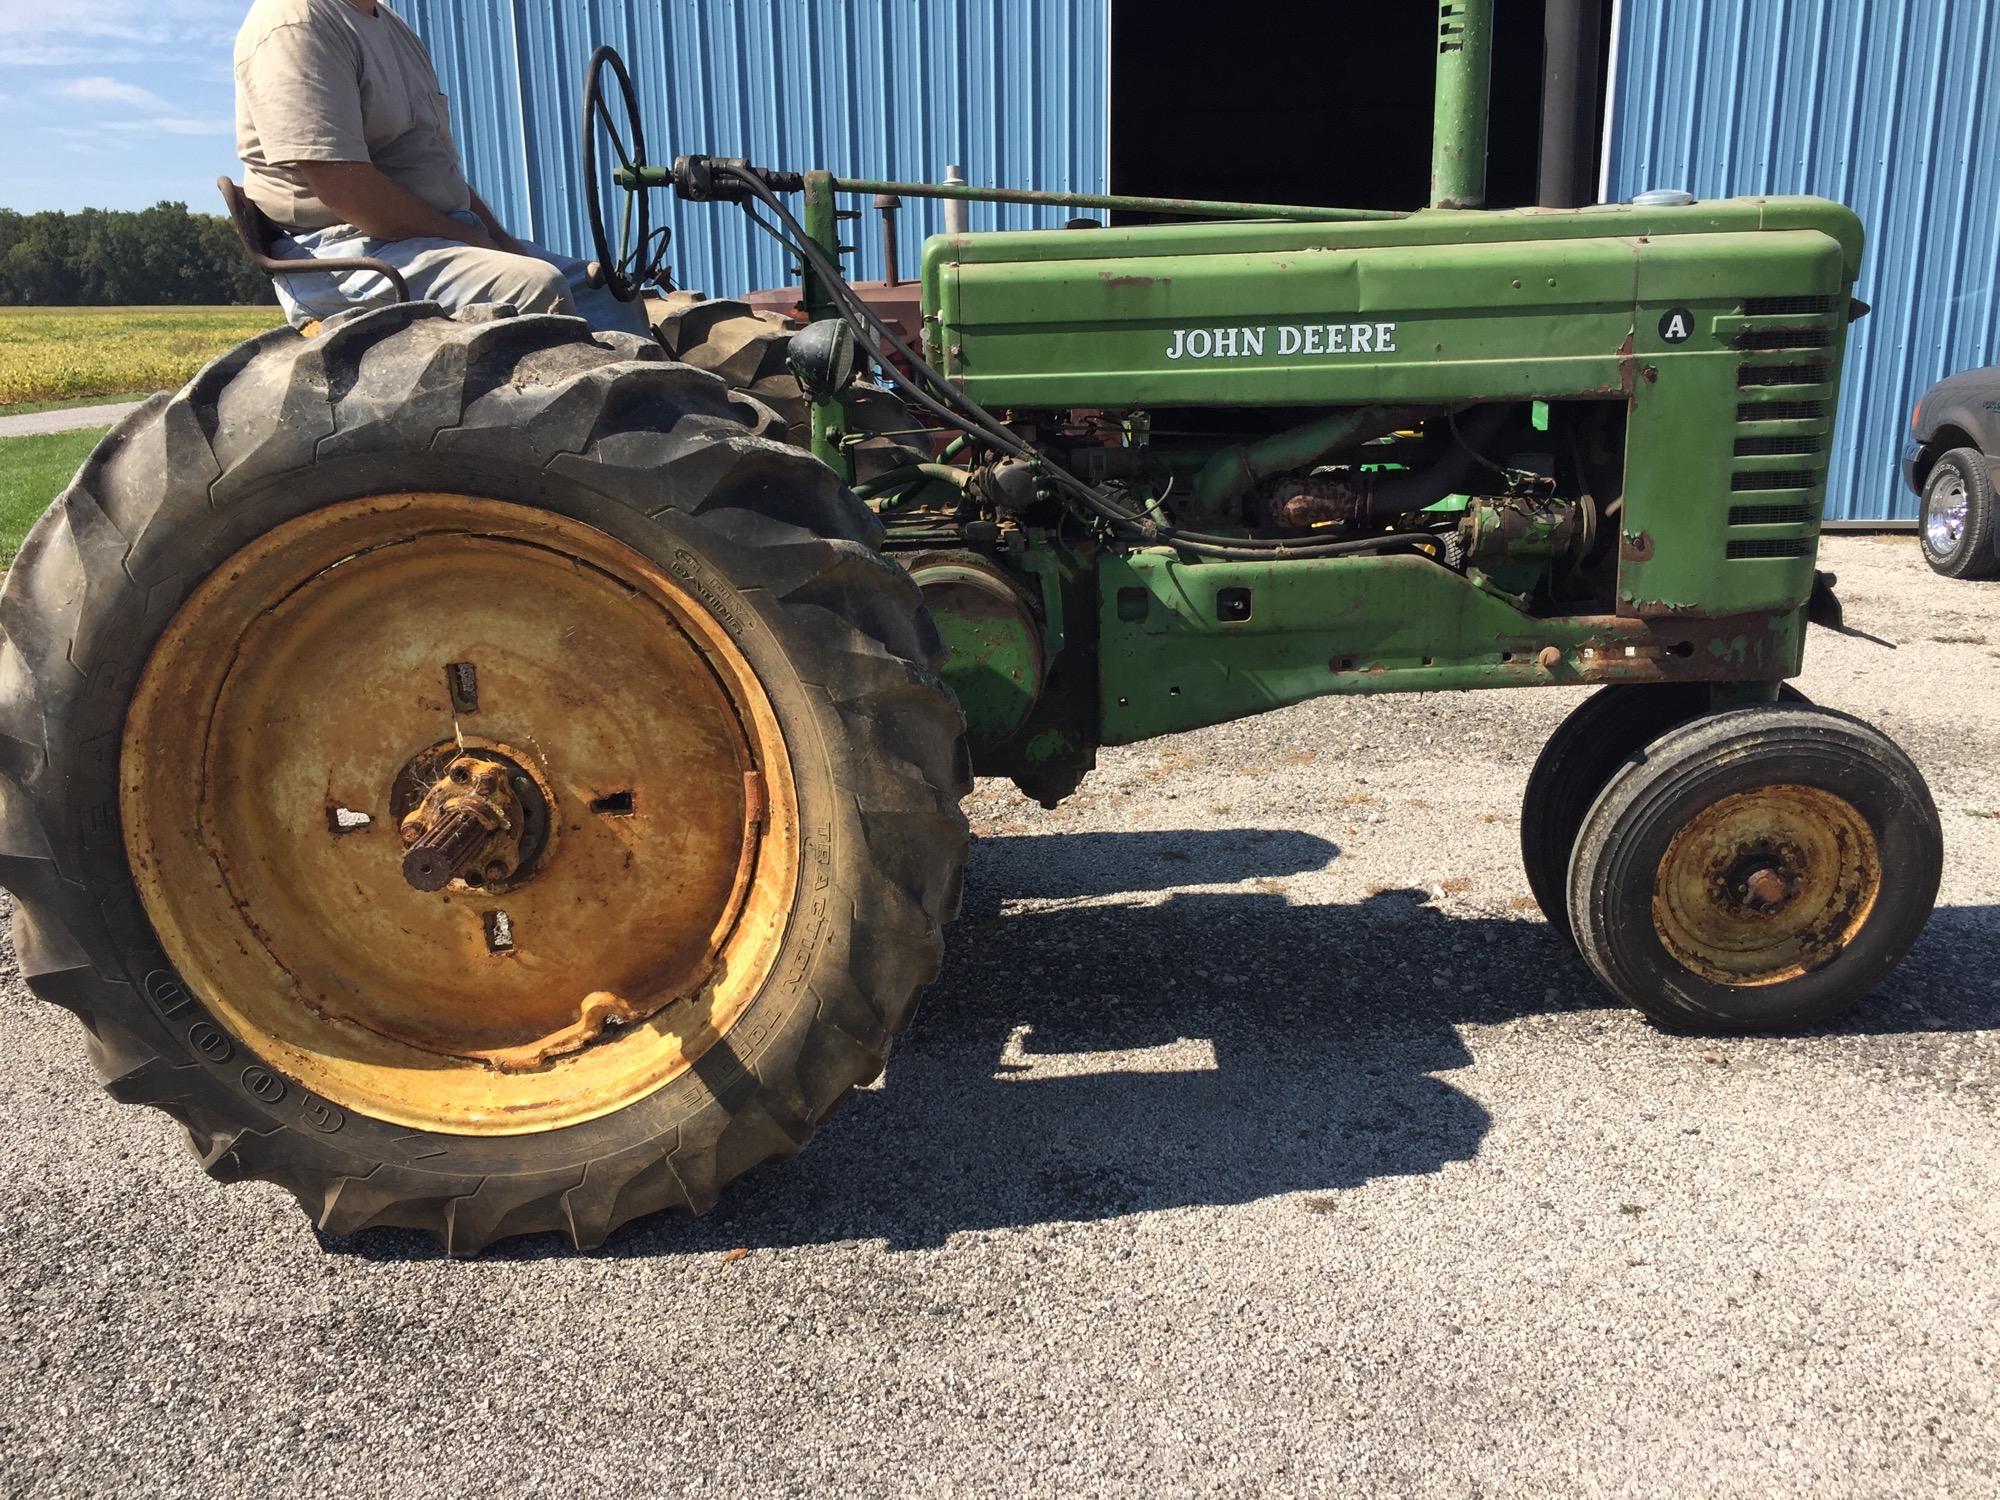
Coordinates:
1582 755
1756 870
1957 525
498 436
1586 748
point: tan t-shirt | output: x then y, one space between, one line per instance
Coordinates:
323 80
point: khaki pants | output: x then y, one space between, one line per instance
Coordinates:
451 274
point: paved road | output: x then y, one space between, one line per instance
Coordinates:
1257 1140
35 423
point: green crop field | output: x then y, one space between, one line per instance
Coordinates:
33 471
53 354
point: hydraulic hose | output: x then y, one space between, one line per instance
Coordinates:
909 474
961 411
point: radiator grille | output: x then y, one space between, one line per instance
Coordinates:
1782 338
1786 307
1769 515
1781 411
1814 336
1773 479
1780 447
1804 344
1751 376
1768 547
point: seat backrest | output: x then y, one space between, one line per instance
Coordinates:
259 237
254 230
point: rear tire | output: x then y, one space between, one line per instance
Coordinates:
1958 523
597 432
747 348
1756 870
728 337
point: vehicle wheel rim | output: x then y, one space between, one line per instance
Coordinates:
297 711
1944 518
1767 885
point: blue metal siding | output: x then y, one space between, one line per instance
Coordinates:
1014 91
479 64
1884 105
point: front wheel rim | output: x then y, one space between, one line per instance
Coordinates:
1944 519
1766 885
266 760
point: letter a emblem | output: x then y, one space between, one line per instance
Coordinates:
1677 325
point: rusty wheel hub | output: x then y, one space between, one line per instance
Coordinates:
463 814
479 818
1765 885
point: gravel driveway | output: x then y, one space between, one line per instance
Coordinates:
1257 1140
65 419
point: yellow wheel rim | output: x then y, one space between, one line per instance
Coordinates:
312 687
1763 886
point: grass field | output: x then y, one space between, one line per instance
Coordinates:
33 471
54 354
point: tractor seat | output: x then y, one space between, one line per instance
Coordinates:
258 235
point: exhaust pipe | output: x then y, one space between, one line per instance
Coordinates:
1567 171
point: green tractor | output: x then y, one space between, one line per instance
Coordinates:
490 778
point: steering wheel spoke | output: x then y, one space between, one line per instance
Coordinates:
626 265
612 132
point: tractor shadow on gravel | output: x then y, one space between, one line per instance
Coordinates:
1114 1053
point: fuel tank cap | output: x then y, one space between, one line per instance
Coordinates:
1663 198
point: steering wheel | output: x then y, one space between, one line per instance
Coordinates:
626 267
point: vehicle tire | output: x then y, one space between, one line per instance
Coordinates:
1957 524
1586 749
747 348
728 337
234 639
1755 870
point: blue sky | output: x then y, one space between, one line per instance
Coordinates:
115 103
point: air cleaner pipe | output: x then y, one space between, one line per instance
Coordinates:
1464 87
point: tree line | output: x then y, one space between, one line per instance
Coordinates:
122 257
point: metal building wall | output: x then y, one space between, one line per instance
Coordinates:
1014 91
1885 105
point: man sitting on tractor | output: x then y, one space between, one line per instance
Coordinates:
346 144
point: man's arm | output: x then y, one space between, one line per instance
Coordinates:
502 240
366 198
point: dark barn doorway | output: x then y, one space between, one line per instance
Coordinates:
1265 101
